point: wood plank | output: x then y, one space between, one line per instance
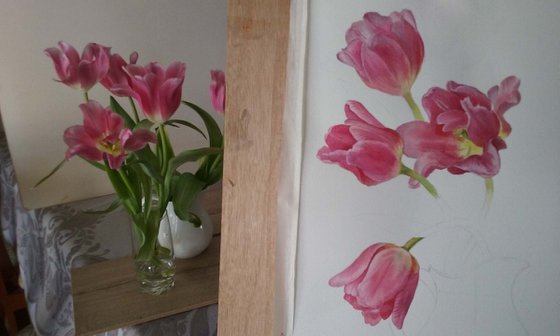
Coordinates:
106 295
258 33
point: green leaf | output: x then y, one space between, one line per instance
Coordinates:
55 169
144 124
113 206
97 164
173 122
118 109
181 158
214 132
185 189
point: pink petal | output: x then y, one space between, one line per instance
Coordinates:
388 136
387 66
503 97
404 298
465 91
358 267
170 97
218 90
115 162
355 111
386 276
339 157
339 137
87 75
79 143
420 137
483 124
138 139
371 317
70 52
452 119
377 160
437 101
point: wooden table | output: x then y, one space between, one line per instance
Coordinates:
107 295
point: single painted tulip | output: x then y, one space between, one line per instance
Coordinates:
381 282
117 80
76 71
386 51
363 146
156 89
102 136
466 129
218 90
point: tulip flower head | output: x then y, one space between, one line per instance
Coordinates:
386 51
218 90
156 89
466 130
102 136
117 80
76 71
381 282
363 146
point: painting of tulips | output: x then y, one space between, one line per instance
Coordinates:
428 182
464 132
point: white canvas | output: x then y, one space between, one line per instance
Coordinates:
485 270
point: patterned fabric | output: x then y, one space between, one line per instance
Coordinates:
50 241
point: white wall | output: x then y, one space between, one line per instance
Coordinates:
483 272
36 110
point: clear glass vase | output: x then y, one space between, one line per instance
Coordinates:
153 252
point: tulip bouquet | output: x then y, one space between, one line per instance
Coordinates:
464 133
134 149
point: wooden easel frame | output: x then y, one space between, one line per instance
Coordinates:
254 296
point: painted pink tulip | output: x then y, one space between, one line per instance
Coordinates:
102 136
76 71
465 132
117 79
380 283
218 90
363 146
386 51
156 89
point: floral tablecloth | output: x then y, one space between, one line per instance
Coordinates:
49 242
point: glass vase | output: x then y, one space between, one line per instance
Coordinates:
154 259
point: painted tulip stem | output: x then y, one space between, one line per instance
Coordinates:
423 181
489 184
411 242
86 96
413 106
134 109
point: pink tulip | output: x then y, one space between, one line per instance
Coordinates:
363 146
218 90
156 89
102 136
380 283
117 80
74 70
386 51
465 132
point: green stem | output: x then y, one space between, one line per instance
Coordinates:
86 96
134 110
128 186
489 184
411 242
413 106
423 181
